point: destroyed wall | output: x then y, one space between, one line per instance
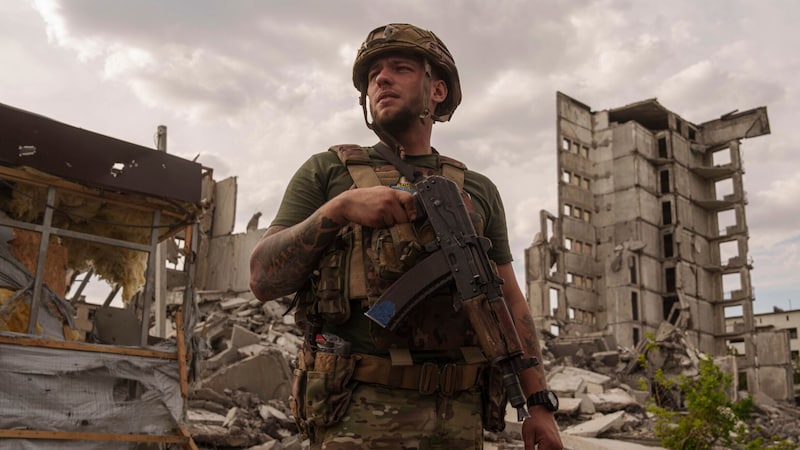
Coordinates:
651 228
74 201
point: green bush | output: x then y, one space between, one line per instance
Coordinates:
711 418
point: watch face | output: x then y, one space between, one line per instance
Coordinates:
552 401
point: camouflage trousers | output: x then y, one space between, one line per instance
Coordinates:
382 418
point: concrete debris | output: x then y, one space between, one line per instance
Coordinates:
239 397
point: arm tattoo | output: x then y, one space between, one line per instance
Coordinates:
285 257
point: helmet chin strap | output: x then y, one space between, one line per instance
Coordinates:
393 143
426 92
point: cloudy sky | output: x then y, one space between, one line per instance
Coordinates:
255 87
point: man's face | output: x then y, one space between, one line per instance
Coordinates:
395 91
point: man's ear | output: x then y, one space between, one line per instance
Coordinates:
438 90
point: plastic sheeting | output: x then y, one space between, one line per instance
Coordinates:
68 390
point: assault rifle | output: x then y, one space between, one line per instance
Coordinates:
459 255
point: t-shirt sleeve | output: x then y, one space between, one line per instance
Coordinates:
487 198
309 188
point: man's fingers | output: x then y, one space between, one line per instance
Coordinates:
408 203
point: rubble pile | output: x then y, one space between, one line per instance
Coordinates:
239 396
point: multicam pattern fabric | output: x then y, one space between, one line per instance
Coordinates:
381 418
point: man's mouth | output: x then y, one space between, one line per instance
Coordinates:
385 96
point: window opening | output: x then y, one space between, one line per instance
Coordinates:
669 246
632 269
731 282
723 188
742 378
669 303
734 317
664 174
726 219
721 157
662 147
666 213
669 279
635 305
553 301
636 336
728 251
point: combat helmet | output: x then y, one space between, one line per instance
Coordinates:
402 37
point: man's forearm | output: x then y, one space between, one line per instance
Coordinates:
284 257
532 379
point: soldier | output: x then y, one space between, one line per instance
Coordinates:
347 229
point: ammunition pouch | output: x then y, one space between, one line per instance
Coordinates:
331 304
394 251
321 394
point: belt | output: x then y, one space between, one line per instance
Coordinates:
427 378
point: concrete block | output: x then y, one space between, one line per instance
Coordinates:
595 426
266 375
233 303
568 405
612 400
242 337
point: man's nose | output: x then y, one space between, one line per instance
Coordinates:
384 76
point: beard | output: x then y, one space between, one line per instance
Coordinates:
399 121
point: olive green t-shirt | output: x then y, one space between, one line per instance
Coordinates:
323 176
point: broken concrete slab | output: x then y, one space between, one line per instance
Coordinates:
266 375
613 400
233 303
568 405
595 426
242 337
564 384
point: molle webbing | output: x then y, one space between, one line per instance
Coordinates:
364 174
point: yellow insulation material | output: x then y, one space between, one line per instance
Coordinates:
14 316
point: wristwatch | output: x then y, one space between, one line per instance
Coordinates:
547 398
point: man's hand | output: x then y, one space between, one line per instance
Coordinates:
540 431
375 207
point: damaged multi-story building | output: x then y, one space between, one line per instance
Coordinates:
652 228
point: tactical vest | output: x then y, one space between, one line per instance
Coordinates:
365 261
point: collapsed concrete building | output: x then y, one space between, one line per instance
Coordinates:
651 229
